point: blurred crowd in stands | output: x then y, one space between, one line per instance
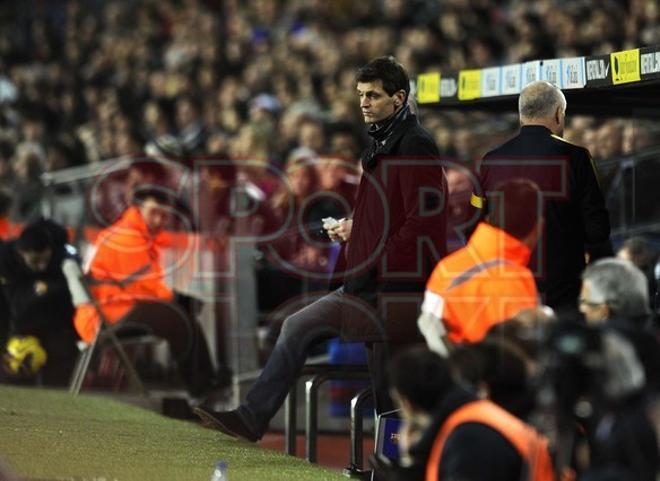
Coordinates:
271 83
82 82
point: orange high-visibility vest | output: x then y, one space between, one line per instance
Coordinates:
125 269
482 284
532 446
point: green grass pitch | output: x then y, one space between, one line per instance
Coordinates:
53 436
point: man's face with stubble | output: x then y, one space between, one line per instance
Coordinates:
375 103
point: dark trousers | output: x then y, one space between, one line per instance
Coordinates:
185 338
62 354
302 331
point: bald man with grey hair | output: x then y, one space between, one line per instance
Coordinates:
541 103
576 220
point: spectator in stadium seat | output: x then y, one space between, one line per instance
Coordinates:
254 142
460 190
38 297
156 122
637 137
191 129
351 310
641 252
128 282
28 187
345 141
590 139
7 174
609 140
175 58
338 177
302 219
577 223
449 434
311 135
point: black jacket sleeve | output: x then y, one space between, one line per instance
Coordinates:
595 218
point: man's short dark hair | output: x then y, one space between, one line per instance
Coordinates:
142 193
641 252
387 70
35 238
420 376
514 207
499 364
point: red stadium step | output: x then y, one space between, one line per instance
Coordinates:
333 449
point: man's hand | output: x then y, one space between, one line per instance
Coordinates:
431 326
433 330
341 231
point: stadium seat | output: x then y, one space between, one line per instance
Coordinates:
107 334
322 372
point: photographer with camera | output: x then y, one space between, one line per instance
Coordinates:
614 292
593 398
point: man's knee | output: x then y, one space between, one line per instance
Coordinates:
293 326
307 324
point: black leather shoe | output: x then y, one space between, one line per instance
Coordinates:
228 422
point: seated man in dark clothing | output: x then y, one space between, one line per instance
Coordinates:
38 298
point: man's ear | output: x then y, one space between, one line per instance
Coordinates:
399 98
607 311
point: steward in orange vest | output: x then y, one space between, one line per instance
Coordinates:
448 434
128 285
529 444
125 268
487 281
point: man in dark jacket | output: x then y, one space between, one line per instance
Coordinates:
576 220
614 294
38 296
393 241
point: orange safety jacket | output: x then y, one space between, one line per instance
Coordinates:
532 446
4 229
480 285
124 268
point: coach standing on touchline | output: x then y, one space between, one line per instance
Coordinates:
577 223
